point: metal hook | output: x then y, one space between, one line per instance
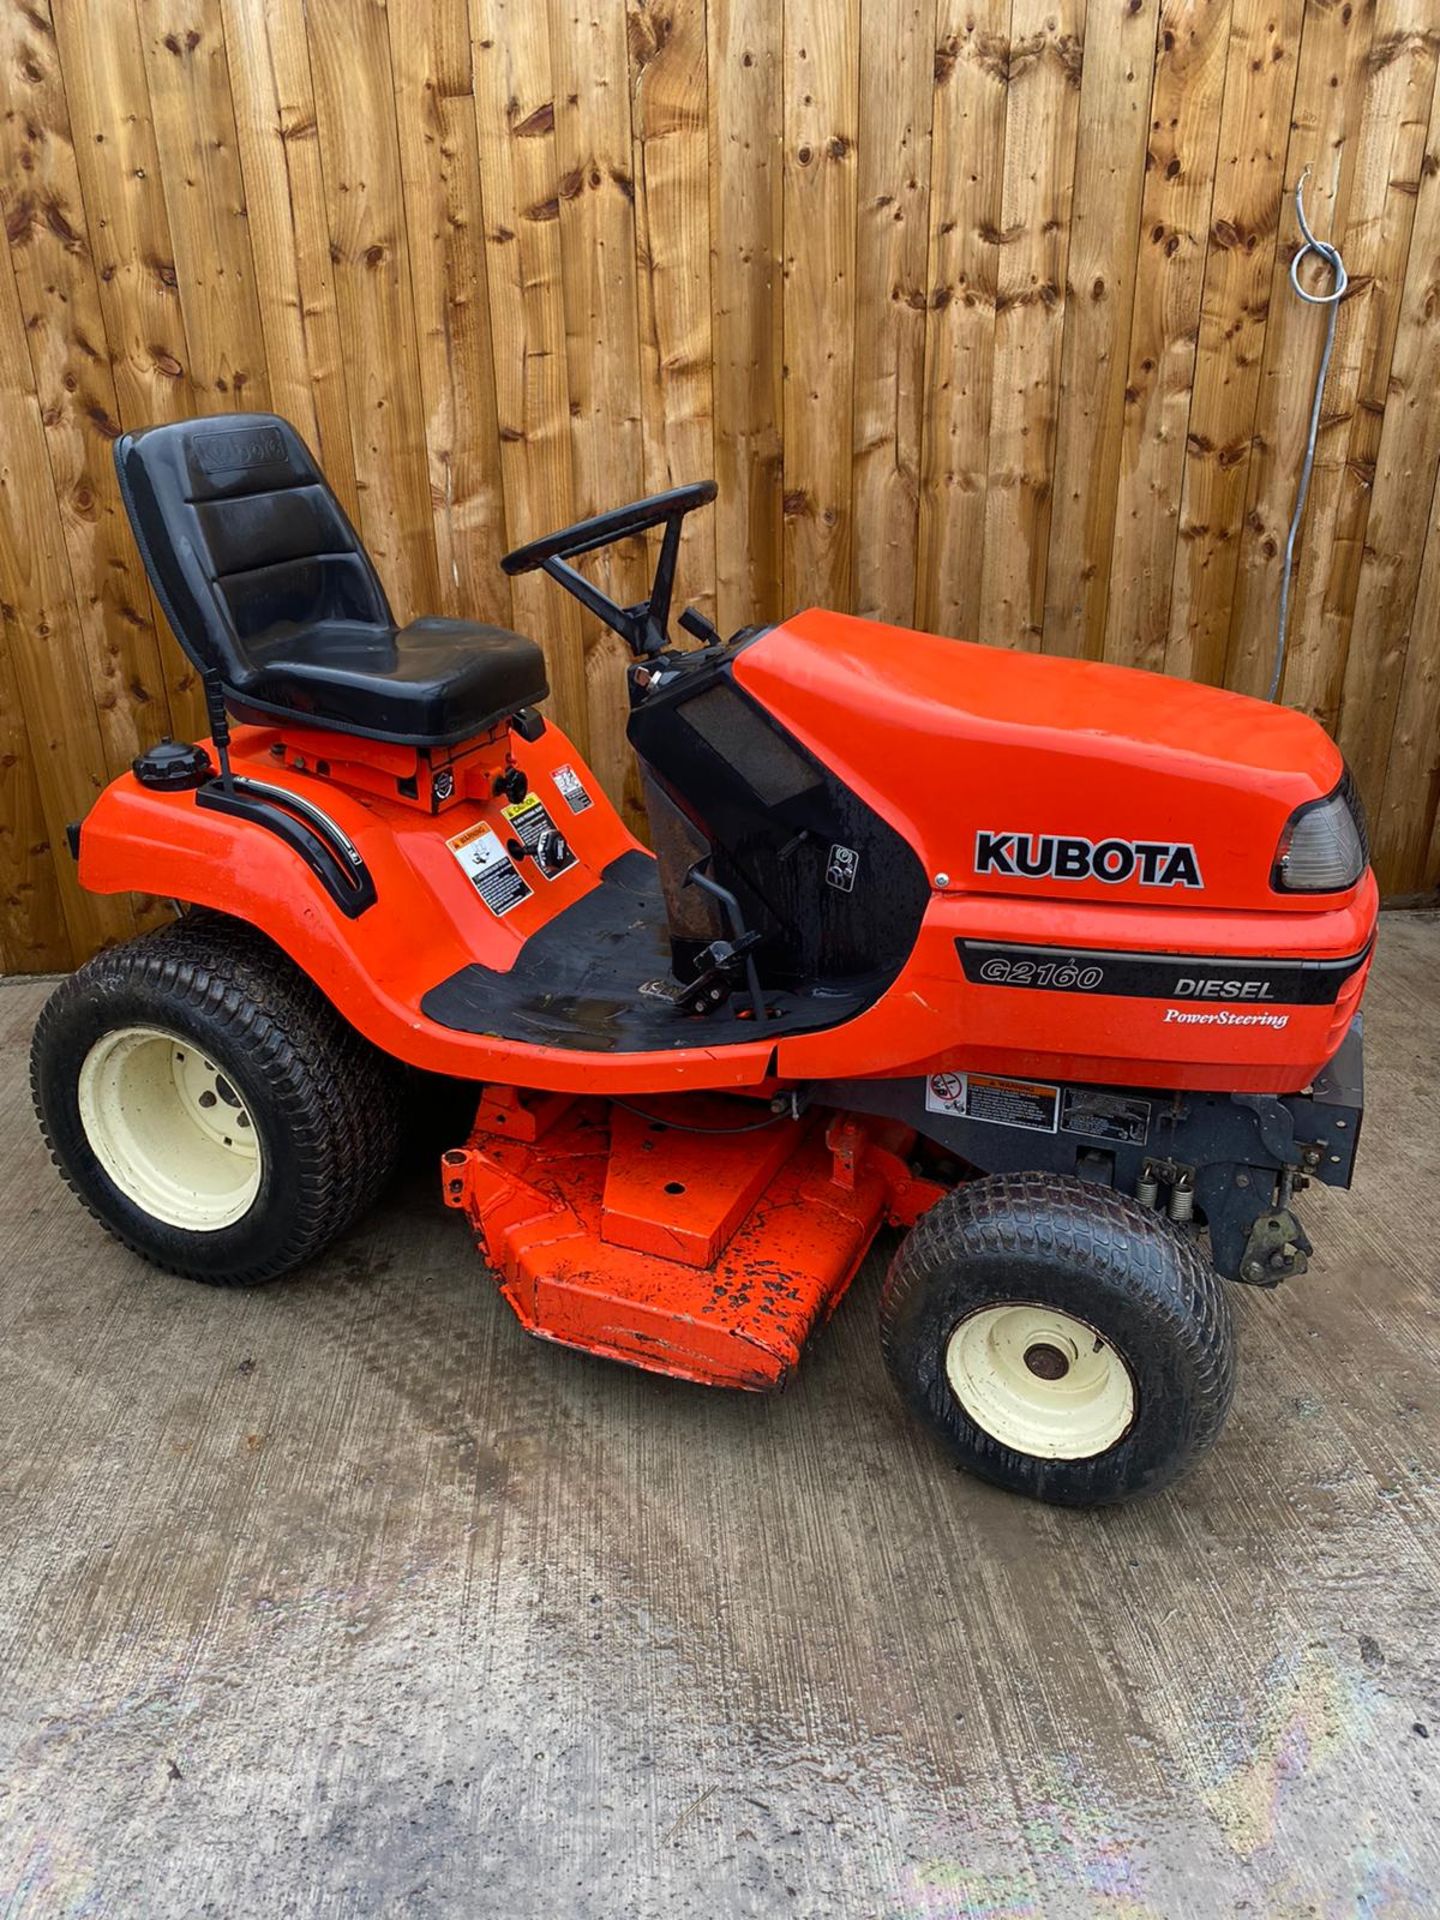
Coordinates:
1322 250
1330 255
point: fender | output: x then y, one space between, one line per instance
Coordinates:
428 920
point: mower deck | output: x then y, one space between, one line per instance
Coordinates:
700 1237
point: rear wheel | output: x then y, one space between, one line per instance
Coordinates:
209 1106
1063 1340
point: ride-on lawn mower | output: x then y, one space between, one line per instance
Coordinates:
1055 965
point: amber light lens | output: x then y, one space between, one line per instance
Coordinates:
1325 846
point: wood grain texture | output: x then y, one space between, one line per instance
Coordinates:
1329 91
1185 108
33 935
821 124
1244 222
67 752
746 238
1042 114
188 76
70 375
287 200
515 115
595 156
103 69
978 311
669 115
967 157
359 146
1389 143
440 174
897 91
1115 90
1400 518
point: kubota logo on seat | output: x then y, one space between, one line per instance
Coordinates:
1048 856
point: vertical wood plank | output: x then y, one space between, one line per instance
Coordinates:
1245 217
1328 100
1408 808
33 935
1046 53
515 117
1170 270
746 219
967 154
36 629
668 110
440 172
119 167
355 108
189 85
1400 506
897 96
821 122
1120 40
1394 120
285 196
594 153
64 328
897 91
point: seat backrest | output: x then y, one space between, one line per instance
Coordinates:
242 538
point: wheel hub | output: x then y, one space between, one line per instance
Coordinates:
1046 1362
171 1130
1040 1381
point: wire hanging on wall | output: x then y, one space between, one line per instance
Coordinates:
1340 280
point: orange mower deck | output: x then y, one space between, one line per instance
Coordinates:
696 1238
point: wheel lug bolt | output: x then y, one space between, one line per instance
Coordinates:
208 1099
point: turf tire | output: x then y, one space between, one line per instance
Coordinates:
325 1103
1100 1257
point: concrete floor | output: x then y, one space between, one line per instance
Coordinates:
345 1598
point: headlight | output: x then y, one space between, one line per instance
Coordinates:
1325 846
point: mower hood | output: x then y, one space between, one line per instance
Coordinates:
1018 773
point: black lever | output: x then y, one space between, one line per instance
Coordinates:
695 623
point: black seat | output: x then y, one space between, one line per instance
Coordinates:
265 582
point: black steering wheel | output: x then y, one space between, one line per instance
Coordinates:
645 627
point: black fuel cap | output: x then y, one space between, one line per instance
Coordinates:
172 766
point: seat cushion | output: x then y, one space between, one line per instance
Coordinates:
432 683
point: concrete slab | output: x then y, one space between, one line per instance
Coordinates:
344 1598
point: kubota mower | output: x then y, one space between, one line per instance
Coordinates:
1054 966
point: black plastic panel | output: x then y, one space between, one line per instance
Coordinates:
579 982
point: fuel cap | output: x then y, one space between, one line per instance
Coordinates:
172 766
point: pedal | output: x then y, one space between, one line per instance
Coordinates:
722 970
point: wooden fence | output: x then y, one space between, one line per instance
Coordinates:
977 309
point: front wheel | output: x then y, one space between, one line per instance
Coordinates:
1063 1340
208 1105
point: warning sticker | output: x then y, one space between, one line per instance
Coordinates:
572 791
491 871
537 832
1105 1116
1003 1103
841 868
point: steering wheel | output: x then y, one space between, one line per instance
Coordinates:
604 528
645 627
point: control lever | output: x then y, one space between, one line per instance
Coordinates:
729 960
695 623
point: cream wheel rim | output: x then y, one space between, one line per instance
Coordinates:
170 1128
1040 1381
